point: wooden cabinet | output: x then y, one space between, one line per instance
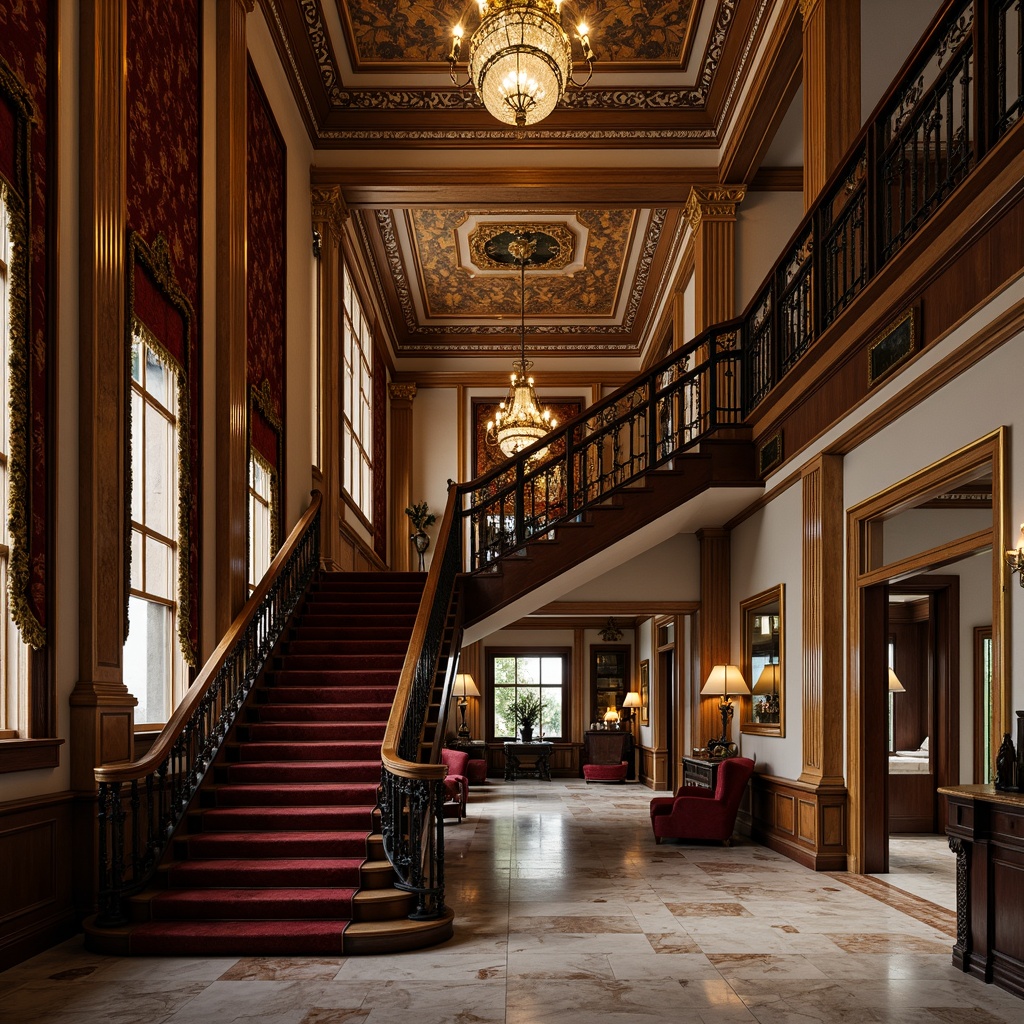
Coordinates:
986 832
700 772
609 678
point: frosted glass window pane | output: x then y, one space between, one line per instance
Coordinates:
137 461
158 496
147 659
159 570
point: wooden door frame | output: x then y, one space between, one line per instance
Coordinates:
867 569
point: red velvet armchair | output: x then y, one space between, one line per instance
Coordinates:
695 813
456 784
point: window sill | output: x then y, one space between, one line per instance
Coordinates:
28 755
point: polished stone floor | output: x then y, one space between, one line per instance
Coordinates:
567 912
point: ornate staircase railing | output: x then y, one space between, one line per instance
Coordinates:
960 92
159 787
412 789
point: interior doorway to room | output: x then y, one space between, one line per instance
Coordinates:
947 517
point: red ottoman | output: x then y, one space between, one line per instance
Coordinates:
605 772
476 772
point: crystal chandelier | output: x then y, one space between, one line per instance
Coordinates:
520 58
519 420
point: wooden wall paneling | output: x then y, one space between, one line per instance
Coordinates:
232 456
329 216
807 823
873 742
822 617
400 454
714 635
831 80
711 212
101 706
38 910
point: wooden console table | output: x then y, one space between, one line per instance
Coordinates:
986 832
539 755
700 771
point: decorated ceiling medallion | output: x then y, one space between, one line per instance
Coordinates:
489 246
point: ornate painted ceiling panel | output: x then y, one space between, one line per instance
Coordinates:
650 33
373 72
443 295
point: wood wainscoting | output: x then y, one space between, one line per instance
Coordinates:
36 907
805 822
652 767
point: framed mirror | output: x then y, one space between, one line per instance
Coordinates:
764 712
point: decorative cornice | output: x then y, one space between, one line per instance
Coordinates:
718 201
329 207
401 392
807 8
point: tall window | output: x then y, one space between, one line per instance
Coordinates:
357 401
261 531
153 668
13 653
542 673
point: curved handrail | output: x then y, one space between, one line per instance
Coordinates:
163 782
391 757
161 749
411 794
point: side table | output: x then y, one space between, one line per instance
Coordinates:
701 772
538 753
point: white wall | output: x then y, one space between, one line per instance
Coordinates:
669 571
919 529
888 34
765 221
766 551
435 450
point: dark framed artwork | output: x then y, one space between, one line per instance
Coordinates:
645 692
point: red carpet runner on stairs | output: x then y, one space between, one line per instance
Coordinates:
270 856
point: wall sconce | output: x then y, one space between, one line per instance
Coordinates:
1015 558
895 686
464 688
611 632
722 681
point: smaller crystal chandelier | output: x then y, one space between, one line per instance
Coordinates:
520 420
520 58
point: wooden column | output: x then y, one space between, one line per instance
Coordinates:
102 709
715 640
822 559
711 211
831 65
329 216
401 396
232 457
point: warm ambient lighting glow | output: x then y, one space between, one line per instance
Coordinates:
520 420
632 700
722 681
464 688
768 680
895 686
611 717
1015 557
520 58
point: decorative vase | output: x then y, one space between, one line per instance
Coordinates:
421 542
526 732
1006 765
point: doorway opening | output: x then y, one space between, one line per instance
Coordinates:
947 517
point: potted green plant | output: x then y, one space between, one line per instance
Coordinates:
525 711
421 517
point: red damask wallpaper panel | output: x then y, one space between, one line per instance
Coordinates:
266 202
164 100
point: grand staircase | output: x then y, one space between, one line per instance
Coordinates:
280 851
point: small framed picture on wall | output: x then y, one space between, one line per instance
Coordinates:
645 692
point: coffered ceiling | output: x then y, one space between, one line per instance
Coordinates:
684 92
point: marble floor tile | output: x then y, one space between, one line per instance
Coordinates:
567 912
